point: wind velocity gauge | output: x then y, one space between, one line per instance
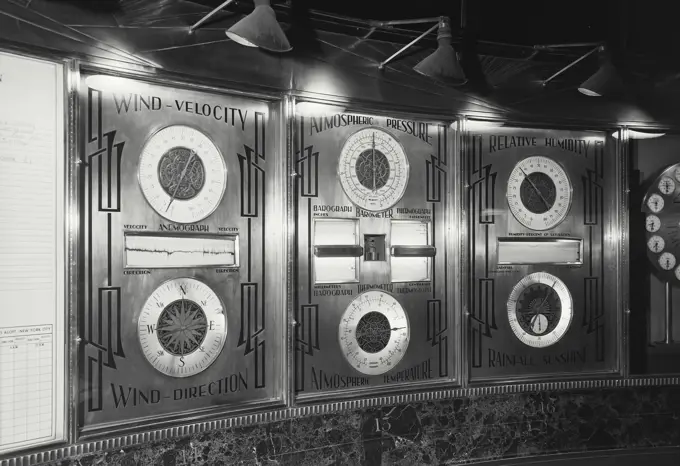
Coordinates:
539 193
182 174
374 332
373 169
182 327
540 310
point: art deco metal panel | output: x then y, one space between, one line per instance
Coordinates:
183 301
542 273
371 206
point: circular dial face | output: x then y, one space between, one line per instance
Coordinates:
539 193
652 223
374 332
676 173
667 185
373 169
182 174
656 244
655 203
182 327
677 273
540 310
667 261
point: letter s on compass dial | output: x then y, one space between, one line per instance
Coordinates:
540 310
182 174
373 169
539 193
374 332
182 327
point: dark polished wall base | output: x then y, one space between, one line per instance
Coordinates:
442 432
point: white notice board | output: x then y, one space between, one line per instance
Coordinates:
32 253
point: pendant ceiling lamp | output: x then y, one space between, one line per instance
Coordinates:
604 81
259 29
443 64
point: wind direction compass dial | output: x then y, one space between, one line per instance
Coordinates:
539 193
540 310
182 327
182 174
373 169
374 332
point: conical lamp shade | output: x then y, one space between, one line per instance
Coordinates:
443 64
260 29
603 81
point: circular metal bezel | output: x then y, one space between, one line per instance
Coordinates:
406 168
223 174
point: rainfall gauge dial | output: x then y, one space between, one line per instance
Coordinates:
373 169
374 332
540 310
539 193
661 207
182 174
182 327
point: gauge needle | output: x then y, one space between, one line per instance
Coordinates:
547 295
397 328
181 177
535 188
373 157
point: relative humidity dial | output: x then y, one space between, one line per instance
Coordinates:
182 327
373 169
539 193
540 310
182 174
374 332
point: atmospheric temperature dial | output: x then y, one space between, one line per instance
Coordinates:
652 223
540 310
655 203
539 193
373 169
667 261
667 185
182 327
656 244
182 174
374 332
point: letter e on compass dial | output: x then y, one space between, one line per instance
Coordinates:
373 169
539 193
182 174
374 333
182 327
540 310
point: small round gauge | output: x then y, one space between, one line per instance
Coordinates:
667 261
182 174
676 173
667 185
677 273
374 332
373 169
655 203
656 244
539 193
182 327
540 309
652 223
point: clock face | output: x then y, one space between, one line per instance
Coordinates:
539 193
182 174
373 169
540 310
374 333
182 327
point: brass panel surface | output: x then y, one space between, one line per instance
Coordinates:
589 346
321 368
119 387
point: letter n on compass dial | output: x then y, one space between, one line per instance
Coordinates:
539 193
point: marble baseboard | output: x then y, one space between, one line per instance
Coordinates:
439 432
